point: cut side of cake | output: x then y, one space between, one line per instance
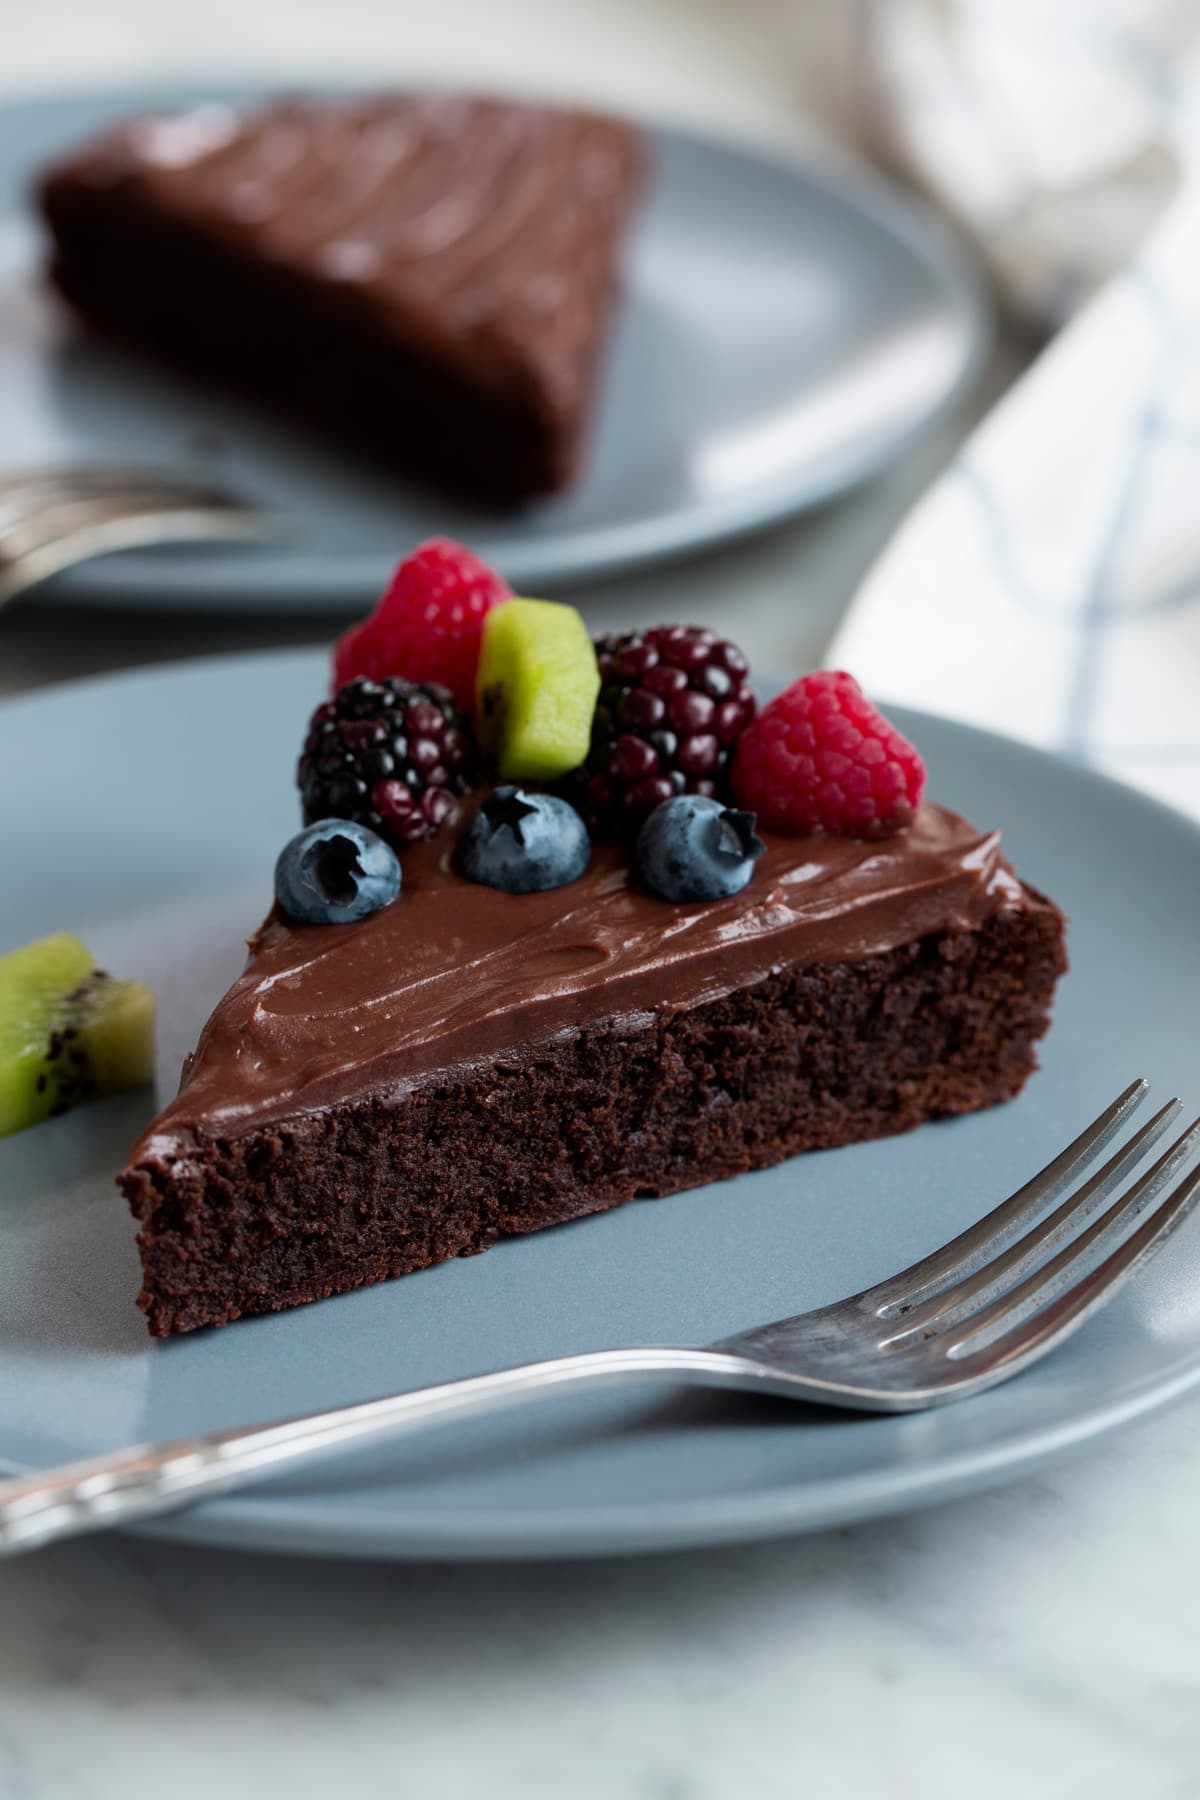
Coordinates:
429 277
464 1065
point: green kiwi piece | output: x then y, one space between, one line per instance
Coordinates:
69 1032
537 687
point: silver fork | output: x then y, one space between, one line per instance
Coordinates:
53 518
987 1304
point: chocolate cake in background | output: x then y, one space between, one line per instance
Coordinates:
429 277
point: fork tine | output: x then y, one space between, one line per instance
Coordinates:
975 1246
53 534
32 493
1004 1269
100 478
118 529
1051 1283
45 524
31 503
1060 1317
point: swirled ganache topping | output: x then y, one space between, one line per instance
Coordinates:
472 220
453 973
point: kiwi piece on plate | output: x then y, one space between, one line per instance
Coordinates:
69 1032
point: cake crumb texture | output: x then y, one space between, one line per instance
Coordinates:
806 1059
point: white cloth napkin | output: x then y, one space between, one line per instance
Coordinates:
1048 584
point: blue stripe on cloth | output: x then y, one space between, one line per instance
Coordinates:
1100 607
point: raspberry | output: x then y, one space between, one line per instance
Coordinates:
428 624
820 758
393 755
673 701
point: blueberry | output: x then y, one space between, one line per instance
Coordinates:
694 848
334 872
524 843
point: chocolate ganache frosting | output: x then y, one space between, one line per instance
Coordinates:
453 973
481 224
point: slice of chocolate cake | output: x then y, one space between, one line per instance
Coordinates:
474 1013
430 277
464 1064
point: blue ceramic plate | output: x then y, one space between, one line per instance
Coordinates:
138 824
787 330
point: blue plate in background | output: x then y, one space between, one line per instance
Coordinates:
165 833
787 329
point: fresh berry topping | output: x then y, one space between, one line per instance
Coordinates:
390 754
335 872
821 758
427 626
524 843
673 702
694 848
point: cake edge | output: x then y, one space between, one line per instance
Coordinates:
368 1190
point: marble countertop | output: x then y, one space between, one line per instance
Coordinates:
1038 1641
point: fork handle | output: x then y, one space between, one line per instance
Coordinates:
129 1485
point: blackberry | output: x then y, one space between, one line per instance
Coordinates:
392 755
673 703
